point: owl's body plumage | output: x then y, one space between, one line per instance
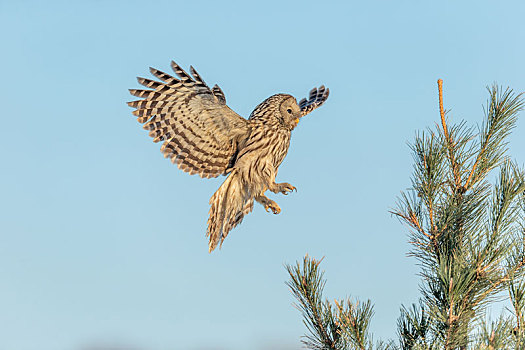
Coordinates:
202 135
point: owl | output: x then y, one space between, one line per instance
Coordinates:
203 136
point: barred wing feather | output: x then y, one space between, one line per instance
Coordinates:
199 131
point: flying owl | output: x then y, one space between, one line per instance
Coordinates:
202 135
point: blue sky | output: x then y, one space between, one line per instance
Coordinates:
102 240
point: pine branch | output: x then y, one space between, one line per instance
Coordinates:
414 328
461 233
449 142
501 113
307 285
342 326
494 335
354 320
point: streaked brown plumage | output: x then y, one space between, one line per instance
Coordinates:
202 135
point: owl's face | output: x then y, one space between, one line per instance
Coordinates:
290 112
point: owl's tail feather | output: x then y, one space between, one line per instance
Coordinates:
229 204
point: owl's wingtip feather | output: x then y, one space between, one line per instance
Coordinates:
316 98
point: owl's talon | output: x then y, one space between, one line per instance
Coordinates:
268 204
287 188
273 207
283 188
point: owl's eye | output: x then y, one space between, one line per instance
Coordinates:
289 111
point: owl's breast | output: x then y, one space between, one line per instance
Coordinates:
263 152
281 145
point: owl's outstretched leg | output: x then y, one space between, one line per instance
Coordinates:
283 188
268 203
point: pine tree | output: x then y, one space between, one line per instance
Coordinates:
467 234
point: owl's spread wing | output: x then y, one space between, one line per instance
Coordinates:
200 132
315 99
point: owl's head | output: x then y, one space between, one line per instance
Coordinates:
281 108
285 109
289 112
